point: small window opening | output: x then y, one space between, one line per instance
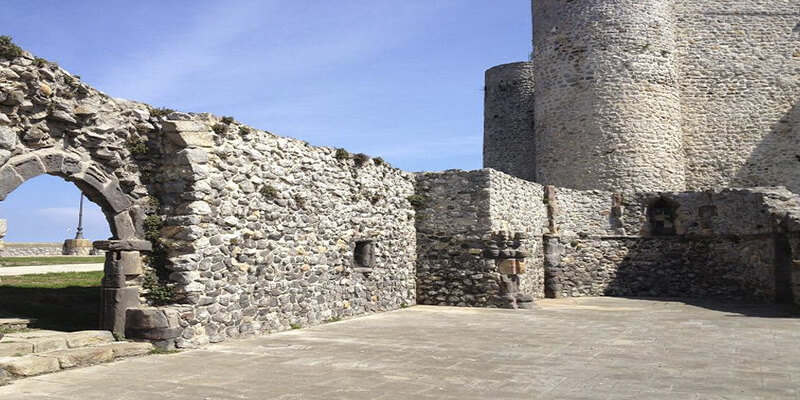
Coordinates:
661 215
364 255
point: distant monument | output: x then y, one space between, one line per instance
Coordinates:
78 246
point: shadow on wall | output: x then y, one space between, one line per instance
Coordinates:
776 160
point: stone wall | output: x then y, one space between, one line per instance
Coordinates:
31 249
740 92
457 226
265 233
718 244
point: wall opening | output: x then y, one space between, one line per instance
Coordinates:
42 215
661 216
364 255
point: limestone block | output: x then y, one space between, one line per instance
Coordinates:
191 139
83 356
130 349
115 197
29 365
8 138
28 167
9 349
88 338
53 162
123 245
184 126
130 263
45 343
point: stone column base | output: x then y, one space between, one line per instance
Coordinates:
77 247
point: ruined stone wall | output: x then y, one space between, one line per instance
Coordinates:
456 229
516 205
270 226
508 137
723 245
28 249
740 92
607 103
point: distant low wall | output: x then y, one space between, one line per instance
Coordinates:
30 249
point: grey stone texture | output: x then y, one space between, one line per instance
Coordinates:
30 249
656 95
461 213
508 144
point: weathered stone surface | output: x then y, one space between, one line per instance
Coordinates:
30 365
192 139
130 349
81 357
28 167
123 245
45 343
88 338
8 138
114 302
13 349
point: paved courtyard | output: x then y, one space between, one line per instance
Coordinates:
591 348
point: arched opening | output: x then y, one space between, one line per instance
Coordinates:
40 280
123 252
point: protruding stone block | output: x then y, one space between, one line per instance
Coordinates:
152 324
123 245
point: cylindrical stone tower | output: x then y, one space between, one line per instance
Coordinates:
607 107
508 120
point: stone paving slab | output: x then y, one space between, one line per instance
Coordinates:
590 348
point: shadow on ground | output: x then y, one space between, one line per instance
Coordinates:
734 308
72 308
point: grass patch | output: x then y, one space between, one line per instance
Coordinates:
54 260
295 326
68 301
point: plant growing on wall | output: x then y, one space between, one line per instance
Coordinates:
8 49
360 159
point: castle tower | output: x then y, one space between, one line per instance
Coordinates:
607 104
508 120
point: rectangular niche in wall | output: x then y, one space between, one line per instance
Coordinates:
364 256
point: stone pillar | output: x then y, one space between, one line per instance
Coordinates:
508 137
123 264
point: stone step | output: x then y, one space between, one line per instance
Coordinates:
45 341
56 360
13 324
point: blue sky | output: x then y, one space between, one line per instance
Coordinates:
400 79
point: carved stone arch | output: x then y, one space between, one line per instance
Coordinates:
123 250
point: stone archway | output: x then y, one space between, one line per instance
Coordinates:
123 264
